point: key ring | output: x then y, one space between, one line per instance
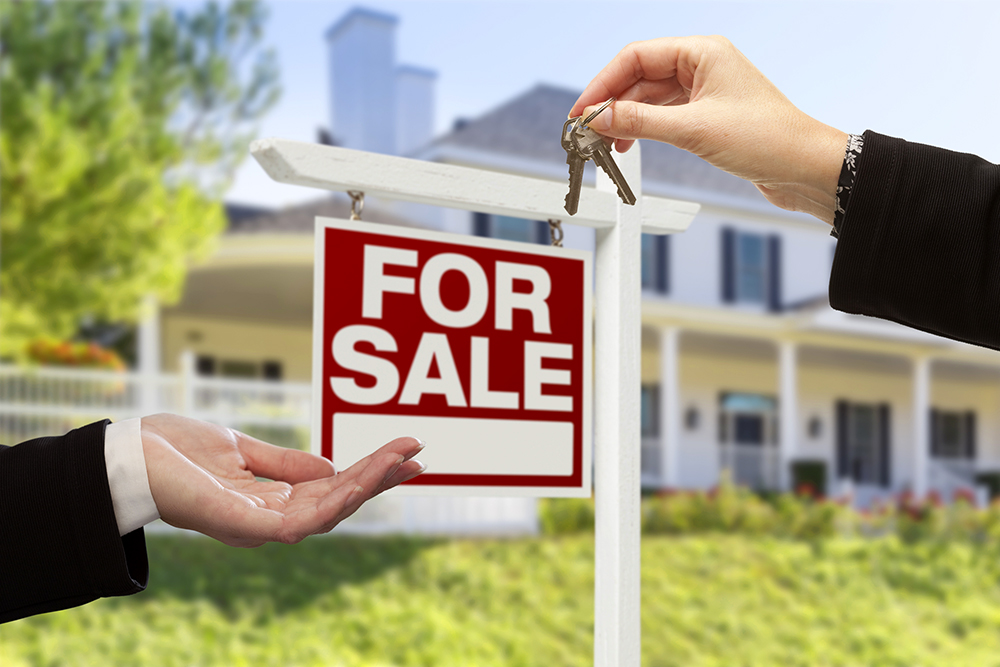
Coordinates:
599 110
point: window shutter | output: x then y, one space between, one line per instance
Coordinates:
843 465
481 224
663 264
970 435
774 273
884 445
655 391
728 265
935 432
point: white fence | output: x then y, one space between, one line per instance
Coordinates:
44 401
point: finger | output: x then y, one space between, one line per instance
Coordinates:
656 59
281 463
635 120
377 471
407 471
406 447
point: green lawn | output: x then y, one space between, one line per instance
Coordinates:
730 601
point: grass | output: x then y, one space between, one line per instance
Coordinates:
708 600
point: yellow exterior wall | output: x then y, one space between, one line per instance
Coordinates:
242 341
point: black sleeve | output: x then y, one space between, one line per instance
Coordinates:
59 542
920 241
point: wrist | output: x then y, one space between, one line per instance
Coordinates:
812 186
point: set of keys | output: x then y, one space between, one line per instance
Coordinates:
581 144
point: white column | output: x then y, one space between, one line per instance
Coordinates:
921 430
617 381
788 405
149 356
670 408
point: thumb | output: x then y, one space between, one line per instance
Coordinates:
627 120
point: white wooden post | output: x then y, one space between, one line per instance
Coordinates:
188 376
616 427
788 406
670 407
921 430
149 357
617 325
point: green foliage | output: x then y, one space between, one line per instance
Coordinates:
121 123
809 477
707 601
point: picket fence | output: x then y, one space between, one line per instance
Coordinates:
41 401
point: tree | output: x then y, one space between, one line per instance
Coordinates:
120 126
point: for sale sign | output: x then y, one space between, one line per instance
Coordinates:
479 347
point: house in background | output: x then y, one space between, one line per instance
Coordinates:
745 367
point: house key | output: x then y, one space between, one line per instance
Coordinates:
581 143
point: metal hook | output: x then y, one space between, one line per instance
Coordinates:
556 232
357 203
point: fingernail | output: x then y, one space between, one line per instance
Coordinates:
602 123
420 470
358 490
416 450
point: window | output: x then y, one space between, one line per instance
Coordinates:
510 229
751 268
863 446
235 368
953 434
649 408
655 268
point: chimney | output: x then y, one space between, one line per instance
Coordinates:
414 107
363 105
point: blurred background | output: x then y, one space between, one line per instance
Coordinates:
817 486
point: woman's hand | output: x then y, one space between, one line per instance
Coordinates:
204 477
702 95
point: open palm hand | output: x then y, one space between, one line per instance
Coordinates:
204 477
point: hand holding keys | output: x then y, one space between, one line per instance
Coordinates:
581 144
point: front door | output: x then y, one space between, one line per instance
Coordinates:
747 439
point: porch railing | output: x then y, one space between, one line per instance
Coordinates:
755 466
44 401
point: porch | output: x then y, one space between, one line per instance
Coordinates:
880 409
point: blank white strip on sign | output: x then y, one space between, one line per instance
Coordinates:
461 446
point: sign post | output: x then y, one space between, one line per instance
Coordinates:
617 325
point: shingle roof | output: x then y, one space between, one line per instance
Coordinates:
523 128
301 219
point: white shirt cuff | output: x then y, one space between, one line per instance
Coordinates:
133 501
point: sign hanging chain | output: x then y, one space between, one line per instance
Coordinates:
556 232
357 203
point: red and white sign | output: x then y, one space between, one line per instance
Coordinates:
482 348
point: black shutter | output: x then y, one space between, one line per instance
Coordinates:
542 236
481 224
655 421
884 445
662 263
774 273
935 438
843 464
728 265
970 435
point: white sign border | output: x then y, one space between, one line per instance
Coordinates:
319 271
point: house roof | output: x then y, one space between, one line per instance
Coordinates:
525 127
301 218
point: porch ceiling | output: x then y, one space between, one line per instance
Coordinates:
271 294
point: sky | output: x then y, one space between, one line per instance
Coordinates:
924 71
